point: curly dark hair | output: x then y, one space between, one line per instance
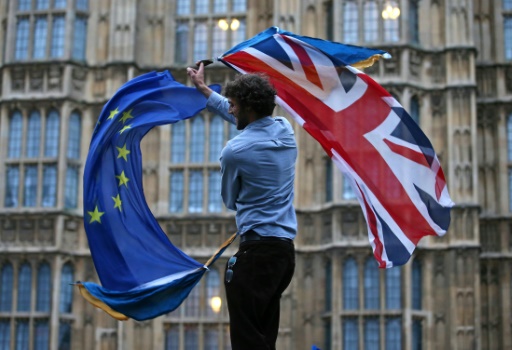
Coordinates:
253 91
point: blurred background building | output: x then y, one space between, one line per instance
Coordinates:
61 60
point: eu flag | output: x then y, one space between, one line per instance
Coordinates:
142 273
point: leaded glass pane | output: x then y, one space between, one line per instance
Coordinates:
239 5
172 338
200 41
415 110
328 286
12 185
30 186
240 33
212 291
181 48
58 37
24 5
49 185
64 335
393 288
214 197
350 333
507 5
393 333
42 4
176 192
178 143
196 142
391 30
417 334
22 36
71 187
74 136
350 285
15 135
191 337
507 35
79 38
183 7
350 22
371 21
51 144
371 285
328 180
414 32
216 138
42 335
211 339
40 33
219 40
24 287
371 333
59 4
191 303
201 7
6 287
33 135
195 192
66 289
82 5
5 334
22 334
44 286
220 6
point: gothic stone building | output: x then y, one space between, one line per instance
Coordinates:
61 60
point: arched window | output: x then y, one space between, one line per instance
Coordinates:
6 288
211 338
12 184
5 334
415 110
350 22
30 186
200 41
191 336
392 29
371 285
328 180
22 334
191 304
371 333
216 138
197 137
172 337
214 197
195 191
79 38
44 287
176 192
33 135
239 34
15 135
42 334
394 288
74 135
66 289
49 185
219 40
40 33
393 333
350 285
51 142
181 48
220 6
212 292
350 333
239 5
371 21
416 288
24 287
178 143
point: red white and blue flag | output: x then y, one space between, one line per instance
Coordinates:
381 151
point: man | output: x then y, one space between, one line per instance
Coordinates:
258 171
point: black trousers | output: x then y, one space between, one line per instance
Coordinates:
261 273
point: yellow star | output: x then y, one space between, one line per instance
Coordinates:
123 152
117 202
123 180
126 116
113 113
95 215
126 127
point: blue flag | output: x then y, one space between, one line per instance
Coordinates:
142 274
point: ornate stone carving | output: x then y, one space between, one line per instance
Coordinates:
349 224
36 79
438 68
415 62
327 228
438 103
55 78
99 83
78 76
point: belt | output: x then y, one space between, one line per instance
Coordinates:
253 236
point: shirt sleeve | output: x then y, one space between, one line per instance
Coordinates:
219 104
230 178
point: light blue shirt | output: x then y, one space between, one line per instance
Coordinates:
258 172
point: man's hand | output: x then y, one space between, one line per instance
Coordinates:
197 77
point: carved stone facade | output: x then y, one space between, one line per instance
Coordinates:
459 74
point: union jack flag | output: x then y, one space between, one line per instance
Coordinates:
381 151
